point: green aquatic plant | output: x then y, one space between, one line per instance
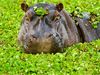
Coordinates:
40 11
79 59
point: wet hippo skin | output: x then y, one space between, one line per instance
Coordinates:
53 31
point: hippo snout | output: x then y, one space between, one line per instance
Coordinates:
37 44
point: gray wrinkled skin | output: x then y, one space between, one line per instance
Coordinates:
51 33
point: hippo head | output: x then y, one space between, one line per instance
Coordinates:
42 29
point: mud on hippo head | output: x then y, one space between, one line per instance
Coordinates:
43 32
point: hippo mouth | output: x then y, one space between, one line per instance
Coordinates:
52 44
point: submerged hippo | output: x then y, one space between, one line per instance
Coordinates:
52 31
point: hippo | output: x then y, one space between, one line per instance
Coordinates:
54 30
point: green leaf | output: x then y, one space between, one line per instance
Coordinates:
40 11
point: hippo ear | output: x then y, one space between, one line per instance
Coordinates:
24 6
59 7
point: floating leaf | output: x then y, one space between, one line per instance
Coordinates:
40 11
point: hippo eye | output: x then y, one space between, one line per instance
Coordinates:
57 18
51 19
29 16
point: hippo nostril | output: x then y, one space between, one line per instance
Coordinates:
34 36
50 35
